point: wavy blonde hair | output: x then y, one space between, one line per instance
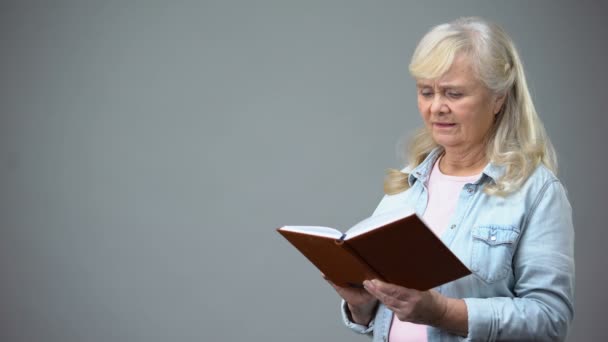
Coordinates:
517 139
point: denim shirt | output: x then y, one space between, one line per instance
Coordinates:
520 249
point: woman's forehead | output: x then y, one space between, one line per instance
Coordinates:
459 74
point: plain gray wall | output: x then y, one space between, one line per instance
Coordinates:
148 150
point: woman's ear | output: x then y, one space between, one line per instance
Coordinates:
499 102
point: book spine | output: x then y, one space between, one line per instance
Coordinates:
371 273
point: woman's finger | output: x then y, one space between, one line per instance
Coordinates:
389 290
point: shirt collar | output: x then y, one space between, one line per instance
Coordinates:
494 171
423 170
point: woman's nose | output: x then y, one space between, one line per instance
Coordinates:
438 105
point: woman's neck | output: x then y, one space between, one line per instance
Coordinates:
463 162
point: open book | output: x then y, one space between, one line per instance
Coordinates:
396 247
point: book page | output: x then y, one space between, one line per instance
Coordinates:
377 221
314 230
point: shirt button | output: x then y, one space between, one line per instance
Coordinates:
453 226
493 237
470 190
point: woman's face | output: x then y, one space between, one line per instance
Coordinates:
457 108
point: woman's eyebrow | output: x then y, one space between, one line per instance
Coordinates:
451 85
441 85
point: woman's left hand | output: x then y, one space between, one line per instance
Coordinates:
409 305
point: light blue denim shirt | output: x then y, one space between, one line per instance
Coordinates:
520 249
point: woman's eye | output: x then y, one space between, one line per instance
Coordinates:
426 93
454 95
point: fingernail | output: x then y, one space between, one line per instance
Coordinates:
367 284
375 282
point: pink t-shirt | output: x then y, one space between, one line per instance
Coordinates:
443 196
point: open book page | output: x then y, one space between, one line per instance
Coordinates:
314 230
377 221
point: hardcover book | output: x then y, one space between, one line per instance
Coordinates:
396 247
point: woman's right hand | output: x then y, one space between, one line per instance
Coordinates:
361 304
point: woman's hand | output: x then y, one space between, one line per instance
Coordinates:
361 303
421 307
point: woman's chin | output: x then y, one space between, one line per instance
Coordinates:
445 142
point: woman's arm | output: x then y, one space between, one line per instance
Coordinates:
358 307
543 266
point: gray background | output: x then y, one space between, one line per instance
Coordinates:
148 151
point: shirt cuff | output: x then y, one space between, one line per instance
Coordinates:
359 328
483 325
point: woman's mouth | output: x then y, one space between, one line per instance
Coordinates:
443 125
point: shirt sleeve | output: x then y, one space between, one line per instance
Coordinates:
359 328
543 266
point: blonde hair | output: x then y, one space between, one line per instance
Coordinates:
517 139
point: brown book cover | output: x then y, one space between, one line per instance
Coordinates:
396 247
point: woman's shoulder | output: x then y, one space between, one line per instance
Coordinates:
541 182
541 176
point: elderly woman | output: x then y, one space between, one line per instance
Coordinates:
482 175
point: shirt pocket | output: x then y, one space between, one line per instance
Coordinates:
493 248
